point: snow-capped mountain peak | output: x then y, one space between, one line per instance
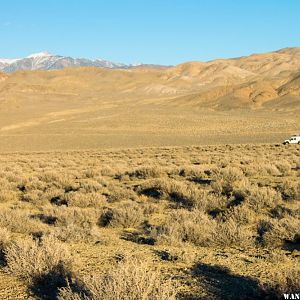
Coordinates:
40 54
8 60
47 61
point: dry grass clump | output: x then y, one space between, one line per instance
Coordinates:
8 195
187 226
142 173
18 221
4 183
198 228
274 233
263 197
44 263
282 211
71 223
241 214
127 214
284 167
51 176
196 173
261 168
74 233
287 281
88 186
5 238
131 279
83 200
290 190
225 180
230 233
114 193
180 193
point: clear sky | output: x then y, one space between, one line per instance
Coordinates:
148 31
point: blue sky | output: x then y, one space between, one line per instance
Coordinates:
148 31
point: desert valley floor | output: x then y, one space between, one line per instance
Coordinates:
140 125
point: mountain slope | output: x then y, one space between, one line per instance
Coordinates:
292 87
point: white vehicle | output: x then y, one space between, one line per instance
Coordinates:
294 139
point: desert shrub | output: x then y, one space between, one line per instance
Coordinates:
287 281
274 233
144 173
129 280
5 238
74 215
33 261
206 201
187 226
230 233
51 192
75 233
11 175
184 195
91 173
290 190
18 221
5 184
126 214
60 179
107 171
249 169
263 168
156 188
196 172
198 228
90 186
281 211
73 224
241 214
40 196
225 180
81 199
116 193
8 195
33 196
33 183
262 197
284 167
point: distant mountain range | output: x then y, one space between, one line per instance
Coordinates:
255 81
47 61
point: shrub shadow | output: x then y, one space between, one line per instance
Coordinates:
47 287
137 238
220 283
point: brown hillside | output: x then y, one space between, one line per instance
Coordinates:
2 76
292 87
